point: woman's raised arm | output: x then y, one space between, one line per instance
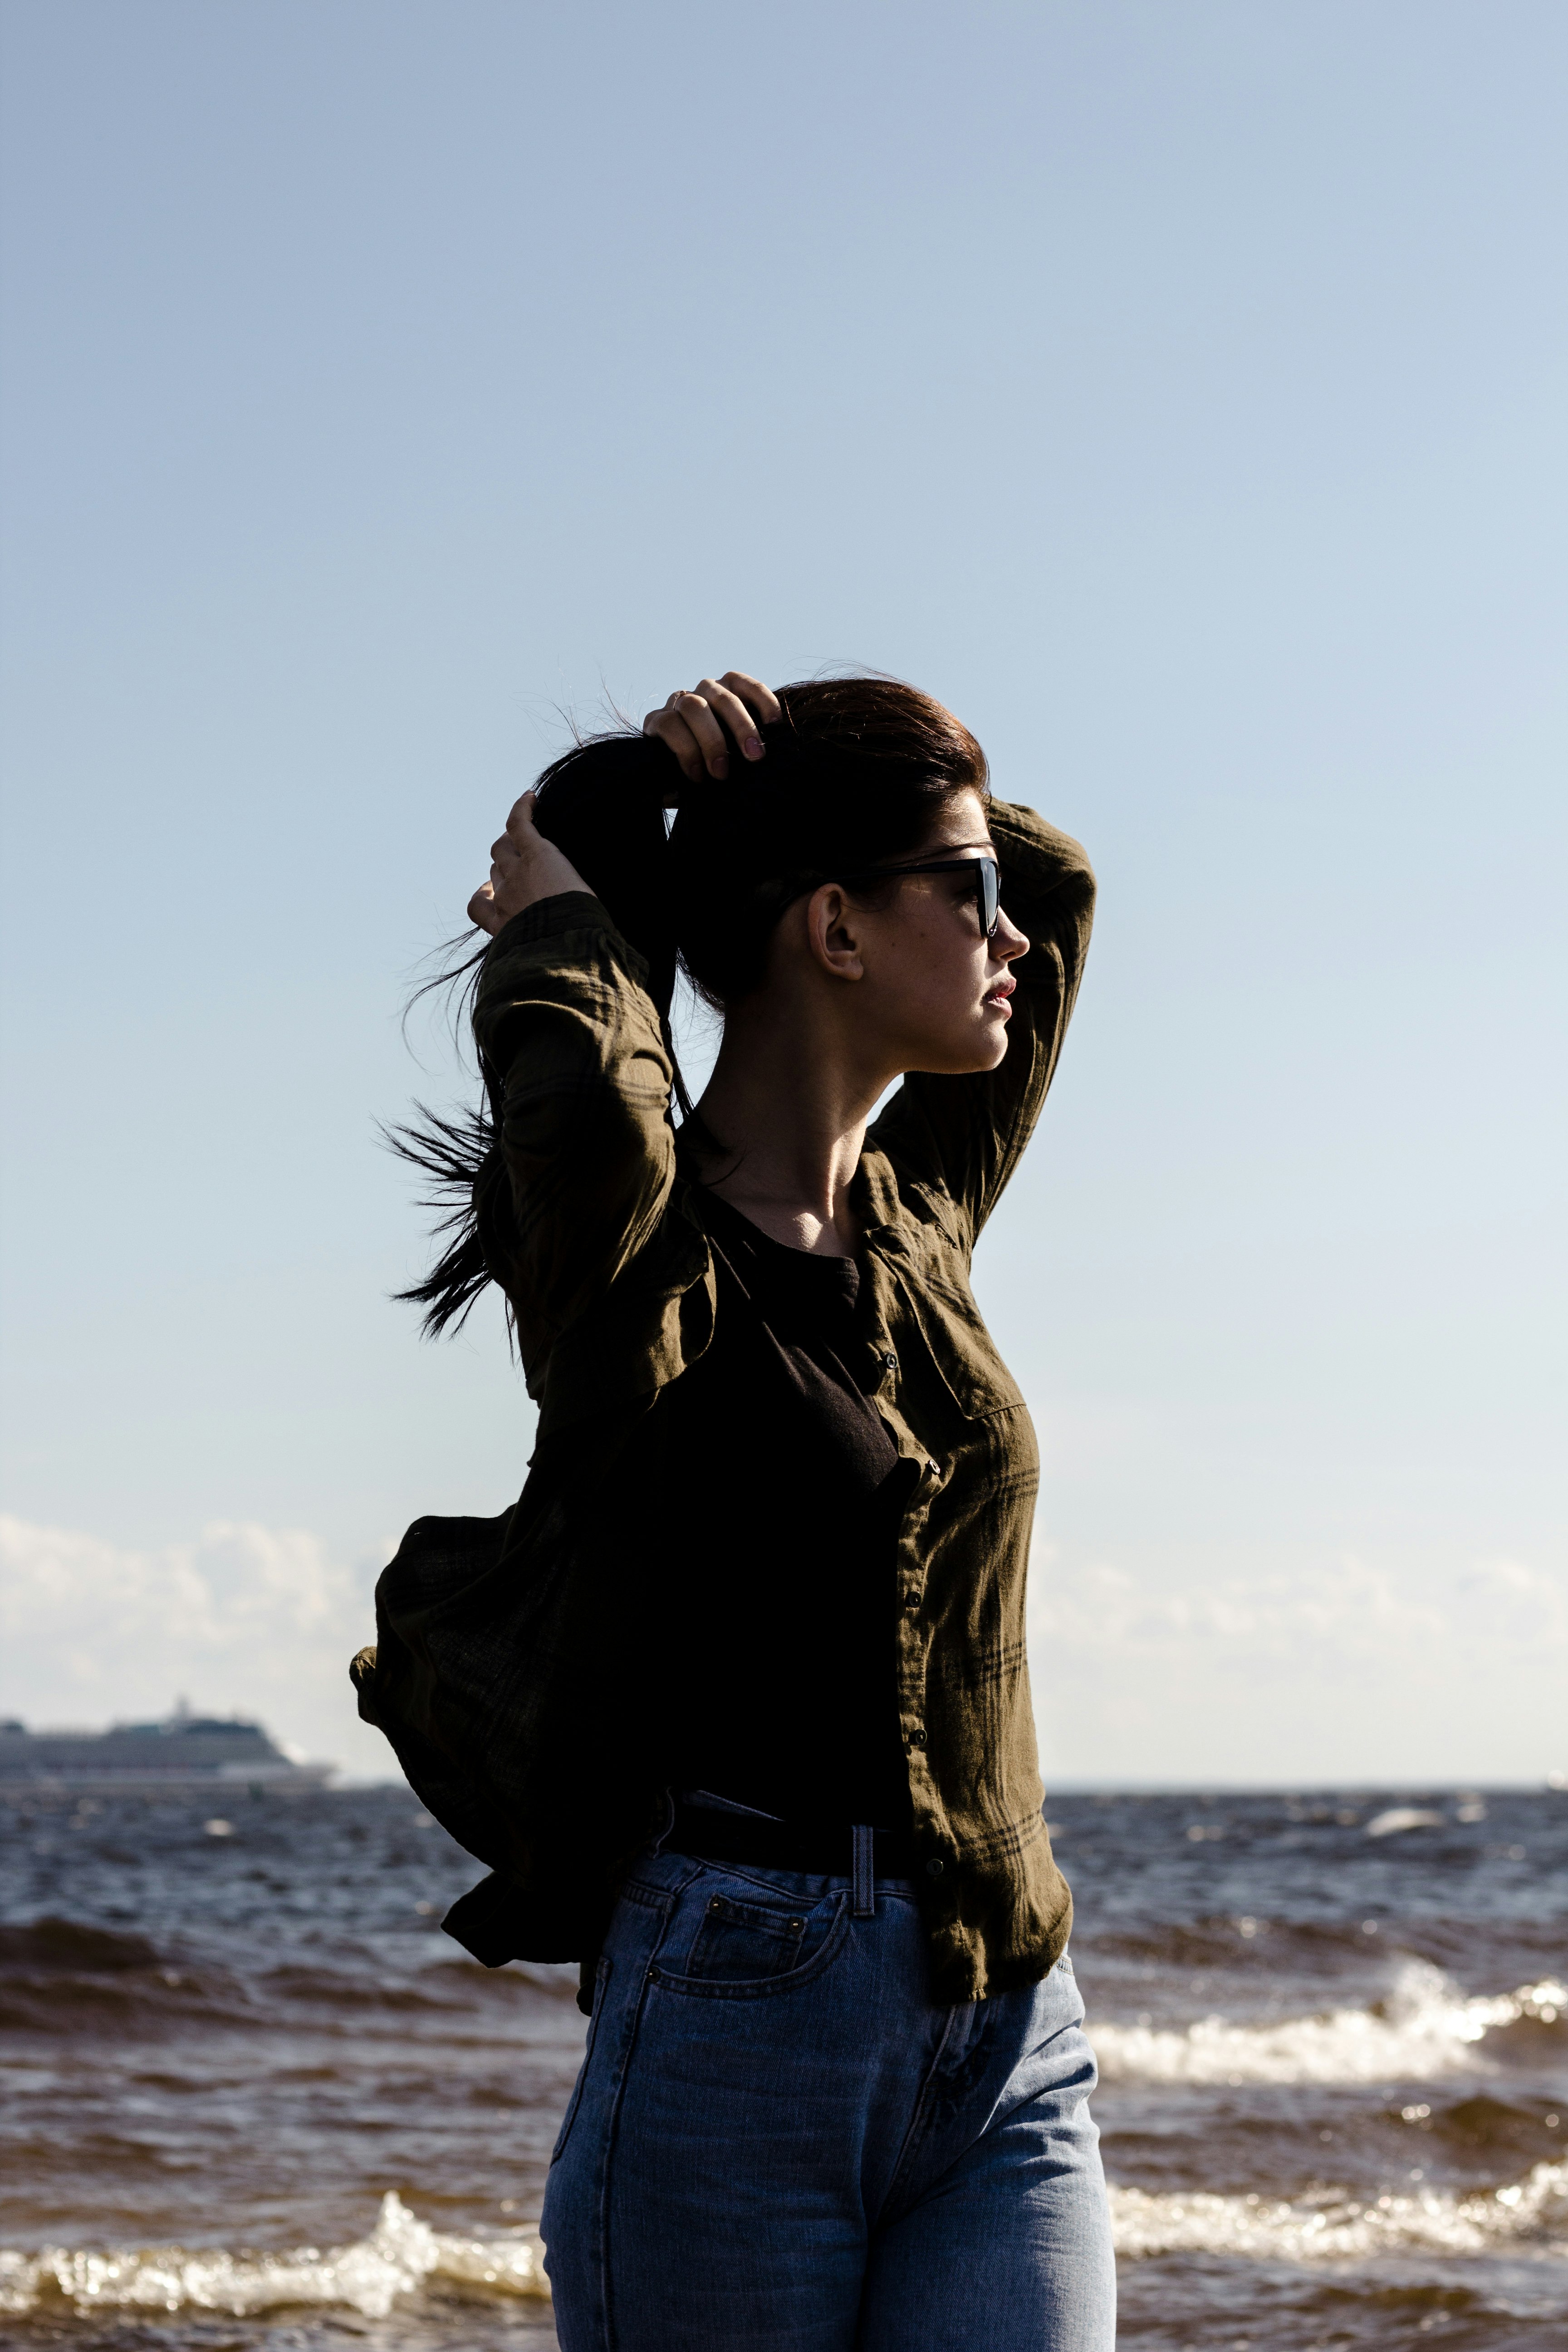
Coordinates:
966 1135
574 1056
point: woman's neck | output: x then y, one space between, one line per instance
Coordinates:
785 1113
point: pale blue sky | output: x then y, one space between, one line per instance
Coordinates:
1178 391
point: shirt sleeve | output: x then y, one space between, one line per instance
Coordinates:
574 1056
965 1135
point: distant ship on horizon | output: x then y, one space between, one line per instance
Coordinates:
185 1753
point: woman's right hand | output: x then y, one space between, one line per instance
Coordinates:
524 867
693 724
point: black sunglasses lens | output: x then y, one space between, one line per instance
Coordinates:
990 897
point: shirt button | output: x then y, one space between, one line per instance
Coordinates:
935 1866
934 1469
917 1737
889 1361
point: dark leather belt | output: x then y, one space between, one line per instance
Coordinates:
820 1851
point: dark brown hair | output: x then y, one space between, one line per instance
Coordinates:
855 772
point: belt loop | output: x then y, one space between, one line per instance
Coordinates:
863 1879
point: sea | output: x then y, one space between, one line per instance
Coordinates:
253 2096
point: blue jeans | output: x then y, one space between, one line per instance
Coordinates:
778 2144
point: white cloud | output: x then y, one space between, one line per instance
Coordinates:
1527 1603
1345 1605
255 1620
1335 1669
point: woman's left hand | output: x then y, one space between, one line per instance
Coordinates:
693 724
524 869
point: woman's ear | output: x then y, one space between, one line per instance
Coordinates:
833 932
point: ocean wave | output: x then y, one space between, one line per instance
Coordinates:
1261 2229
1423 2030
402 2254
59 1976
50 1946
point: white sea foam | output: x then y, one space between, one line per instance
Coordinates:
1401 1817
1423 2030
1531 2214
403 2252
399 2256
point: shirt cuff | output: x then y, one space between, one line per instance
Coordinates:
552 918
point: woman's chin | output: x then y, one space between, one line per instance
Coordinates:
979 1047
990 1049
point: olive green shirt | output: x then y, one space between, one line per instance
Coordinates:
506 1670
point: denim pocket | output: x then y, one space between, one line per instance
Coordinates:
736 1938
601 1978
742 1943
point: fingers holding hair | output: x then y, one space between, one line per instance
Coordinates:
524 869
520 826
508 849
743 705
699 726
688 727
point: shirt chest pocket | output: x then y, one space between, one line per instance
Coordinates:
967 1379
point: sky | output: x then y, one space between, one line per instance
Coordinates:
1177 392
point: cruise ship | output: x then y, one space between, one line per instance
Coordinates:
184 1754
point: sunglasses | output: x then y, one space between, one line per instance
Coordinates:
984 875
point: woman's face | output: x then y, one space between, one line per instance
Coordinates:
932 987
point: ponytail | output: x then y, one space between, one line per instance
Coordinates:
603 806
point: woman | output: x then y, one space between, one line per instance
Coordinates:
735 1700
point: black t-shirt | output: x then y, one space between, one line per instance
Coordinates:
777 1612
